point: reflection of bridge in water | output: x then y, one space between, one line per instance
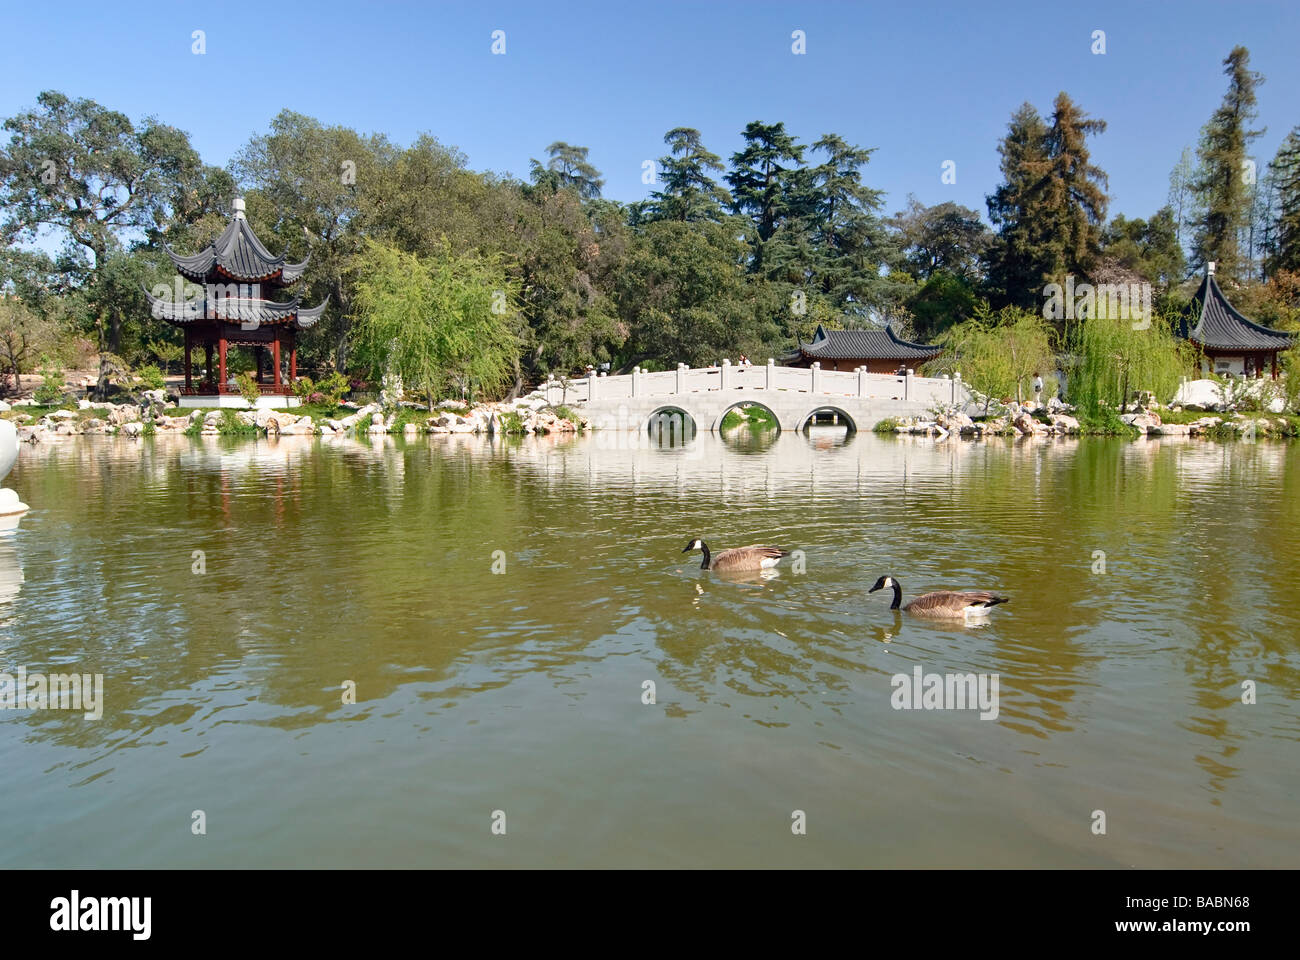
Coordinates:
793 395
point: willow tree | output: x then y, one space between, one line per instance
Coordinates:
1111 359
999 353
436 323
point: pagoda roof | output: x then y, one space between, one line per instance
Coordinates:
238 255
237 310
878 344
1220 326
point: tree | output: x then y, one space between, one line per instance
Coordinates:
1147 247
1076 197
1019 260
435 323
1052 203
690 192
24 336
311 196
1284 172
1182 197
91 175
1221 179
565 261
946 237
999 352
569 169
683 296
945 299
759 179
1112 358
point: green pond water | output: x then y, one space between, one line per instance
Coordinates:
517 696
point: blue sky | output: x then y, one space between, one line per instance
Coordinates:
921 82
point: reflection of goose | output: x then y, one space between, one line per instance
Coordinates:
11 570
943 603
738 558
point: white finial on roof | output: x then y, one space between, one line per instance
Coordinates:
1209 269
237 205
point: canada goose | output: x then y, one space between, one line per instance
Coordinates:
943 603
738 558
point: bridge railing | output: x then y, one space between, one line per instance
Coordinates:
726 376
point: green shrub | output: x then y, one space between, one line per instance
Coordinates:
51 391
332 388
151 377
512 422
888 425
248 388
1104 421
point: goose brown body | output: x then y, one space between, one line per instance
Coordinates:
943 603
755 557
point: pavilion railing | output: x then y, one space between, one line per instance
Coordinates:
265 389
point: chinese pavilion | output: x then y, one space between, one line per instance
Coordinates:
1230 342
237 273
880 351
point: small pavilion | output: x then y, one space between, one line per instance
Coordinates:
880 350
1229 342
237 273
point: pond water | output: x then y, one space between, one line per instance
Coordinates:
503 609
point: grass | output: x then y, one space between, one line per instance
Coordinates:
888 425
511 422
751 415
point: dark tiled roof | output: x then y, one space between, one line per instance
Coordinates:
1221 327
239 255
237 310
878 344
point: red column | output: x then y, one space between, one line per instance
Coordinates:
221 361
187 360
275 360
293 361
1275 366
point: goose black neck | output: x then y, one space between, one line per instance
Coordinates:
898 595
704 548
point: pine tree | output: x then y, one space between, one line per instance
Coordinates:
569 168
1182 199
1222 178
1076 192
1284 172
760 179
690 192
1051 205
1018 261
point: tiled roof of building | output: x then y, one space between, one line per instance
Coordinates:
1221 327
878 344
238 255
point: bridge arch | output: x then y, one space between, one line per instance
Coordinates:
746 402
672 419
806 420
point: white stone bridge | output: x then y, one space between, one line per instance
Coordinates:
640 400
